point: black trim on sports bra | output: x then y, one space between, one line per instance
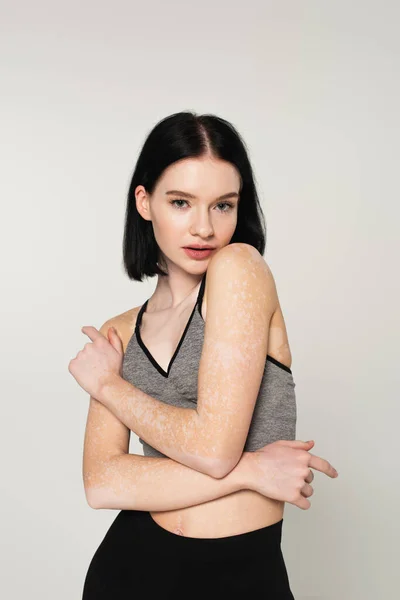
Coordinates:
278 363
198 304
201 294
175 354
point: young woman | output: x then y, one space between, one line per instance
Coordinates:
201 372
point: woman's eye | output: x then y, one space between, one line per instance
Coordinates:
228 205
173 203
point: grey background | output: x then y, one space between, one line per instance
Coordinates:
313 87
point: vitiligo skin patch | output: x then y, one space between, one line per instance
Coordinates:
243 322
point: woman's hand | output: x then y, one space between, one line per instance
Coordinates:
282 471
99 363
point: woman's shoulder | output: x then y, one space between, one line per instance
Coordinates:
239 266
124 323
241 258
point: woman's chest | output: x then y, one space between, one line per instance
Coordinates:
170 375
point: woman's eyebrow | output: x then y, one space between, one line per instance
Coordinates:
187 195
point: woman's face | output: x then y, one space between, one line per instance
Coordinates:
186 209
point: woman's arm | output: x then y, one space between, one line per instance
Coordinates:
117 480
241 300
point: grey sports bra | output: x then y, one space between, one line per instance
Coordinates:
274 417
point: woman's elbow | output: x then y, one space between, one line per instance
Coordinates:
91 498
96 497
222 467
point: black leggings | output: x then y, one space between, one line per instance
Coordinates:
139 558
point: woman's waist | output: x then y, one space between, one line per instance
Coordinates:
239 512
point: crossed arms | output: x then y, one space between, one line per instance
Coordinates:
241 299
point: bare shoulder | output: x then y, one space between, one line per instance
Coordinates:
237 252
243 266
239 258
124 323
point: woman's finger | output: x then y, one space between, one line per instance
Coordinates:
309 477
307 490
91 332
320 464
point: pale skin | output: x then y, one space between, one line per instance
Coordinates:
211 438
210 488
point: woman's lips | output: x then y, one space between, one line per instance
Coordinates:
198 254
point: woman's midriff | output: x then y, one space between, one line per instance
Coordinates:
236 513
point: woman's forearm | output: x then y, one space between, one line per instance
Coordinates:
134 482
177 432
